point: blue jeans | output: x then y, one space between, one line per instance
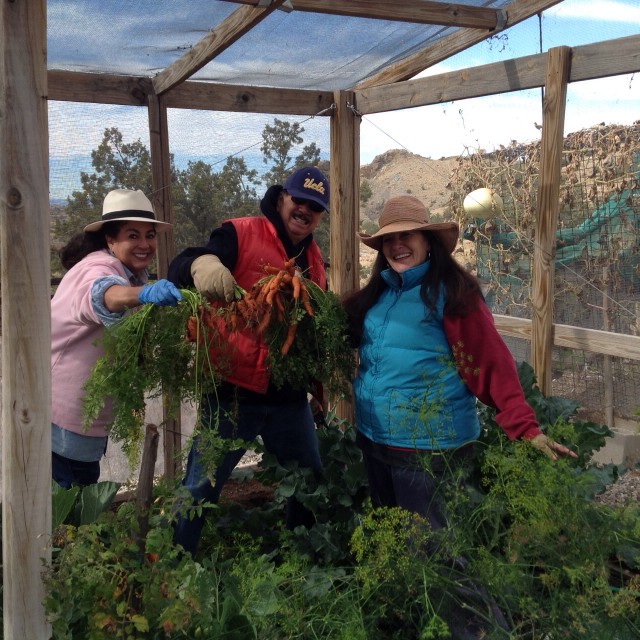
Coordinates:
67 472
287 431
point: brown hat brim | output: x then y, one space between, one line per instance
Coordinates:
448 232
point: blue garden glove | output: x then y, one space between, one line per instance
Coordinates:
162 293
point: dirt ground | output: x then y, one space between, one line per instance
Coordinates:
249 493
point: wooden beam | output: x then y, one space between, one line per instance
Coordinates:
554 106
221 97
603 59
26 318
588 62
161 179
222 37
448 46
70 86
594 340
420 11
488 79
98 88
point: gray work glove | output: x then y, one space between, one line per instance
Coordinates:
212 278
550 448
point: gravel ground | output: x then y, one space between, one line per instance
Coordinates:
625 491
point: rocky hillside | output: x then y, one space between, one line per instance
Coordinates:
395 173
398 172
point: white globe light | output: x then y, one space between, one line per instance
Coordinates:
483 203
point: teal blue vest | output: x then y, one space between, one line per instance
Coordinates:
408 392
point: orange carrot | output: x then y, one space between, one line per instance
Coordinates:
270 269
273 286
305 300
192 329
264 321
243 310
233 320
295 281
291 334
262 292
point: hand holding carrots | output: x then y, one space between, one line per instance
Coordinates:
281 299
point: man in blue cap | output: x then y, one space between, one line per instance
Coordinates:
246 403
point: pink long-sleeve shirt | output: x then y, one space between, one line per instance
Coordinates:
75 328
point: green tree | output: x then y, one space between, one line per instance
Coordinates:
278 141
203 199
118 165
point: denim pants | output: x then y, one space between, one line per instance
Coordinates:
287 431
67 472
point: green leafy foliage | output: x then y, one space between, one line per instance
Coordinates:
321 350
335 498
81 505
525 538
146 353
102 586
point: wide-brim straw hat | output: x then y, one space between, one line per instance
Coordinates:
126 204
407 213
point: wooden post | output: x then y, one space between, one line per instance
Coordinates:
607 368
344 210
161 179
162 204
26 324
345 194
558 67
144 493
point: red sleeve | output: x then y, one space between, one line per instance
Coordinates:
487 367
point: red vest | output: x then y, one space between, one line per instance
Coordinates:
242 356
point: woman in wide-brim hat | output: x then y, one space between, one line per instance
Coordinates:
107 276
427 349
406 213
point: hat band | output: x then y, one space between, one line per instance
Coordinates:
128 213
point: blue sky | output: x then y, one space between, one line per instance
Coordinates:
449 129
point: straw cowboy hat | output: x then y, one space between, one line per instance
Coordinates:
125 204
406 213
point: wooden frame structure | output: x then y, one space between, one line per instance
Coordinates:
25 86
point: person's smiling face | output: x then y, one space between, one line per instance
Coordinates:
134 245
405 249
299 219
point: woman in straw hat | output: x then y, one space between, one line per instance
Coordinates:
428 348
107 275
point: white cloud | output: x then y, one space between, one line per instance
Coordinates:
600 10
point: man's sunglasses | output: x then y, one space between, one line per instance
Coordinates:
314 206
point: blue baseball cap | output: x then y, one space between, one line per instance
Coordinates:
309 183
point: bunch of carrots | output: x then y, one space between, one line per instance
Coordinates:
282 296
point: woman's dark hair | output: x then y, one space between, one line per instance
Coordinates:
82 244
459 287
